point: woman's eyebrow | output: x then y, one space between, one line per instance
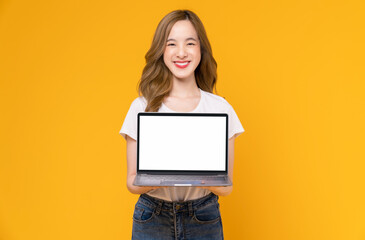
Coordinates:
189 38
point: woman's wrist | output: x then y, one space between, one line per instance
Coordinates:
140 190
220 191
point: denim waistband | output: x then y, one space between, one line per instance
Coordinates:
178 206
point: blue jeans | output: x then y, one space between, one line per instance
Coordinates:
198 219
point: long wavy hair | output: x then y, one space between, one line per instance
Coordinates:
156 81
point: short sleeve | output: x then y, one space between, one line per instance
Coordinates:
129 126
234 124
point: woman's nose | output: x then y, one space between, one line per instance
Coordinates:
181 52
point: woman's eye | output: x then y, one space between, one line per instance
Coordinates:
172 44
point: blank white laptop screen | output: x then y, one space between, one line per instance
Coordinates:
196 143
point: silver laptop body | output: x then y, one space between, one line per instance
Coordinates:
182 149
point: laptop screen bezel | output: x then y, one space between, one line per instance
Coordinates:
177 172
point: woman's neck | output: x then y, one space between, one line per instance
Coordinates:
184 88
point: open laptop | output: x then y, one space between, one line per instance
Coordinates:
182 149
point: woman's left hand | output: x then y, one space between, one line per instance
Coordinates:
220 191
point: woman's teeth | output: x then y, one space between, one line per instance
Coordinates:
182 64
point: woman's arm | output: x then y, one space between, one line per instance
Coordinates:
132 168
224 191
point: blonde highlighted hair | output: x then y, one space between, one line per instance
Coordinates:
156 81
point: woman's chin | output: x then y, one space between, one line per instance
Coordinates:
183 77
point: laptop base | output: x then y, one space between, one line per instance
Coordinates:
181 180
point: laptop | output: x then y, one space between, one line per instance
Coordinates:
182 149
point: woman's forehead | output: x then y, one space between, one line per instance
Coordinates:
182 30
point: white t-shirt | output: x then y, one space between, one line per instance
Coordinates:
209 102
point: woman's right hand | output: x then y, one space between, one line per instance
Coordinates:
137 189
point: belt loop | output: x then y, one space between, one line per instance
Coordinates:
190 205
159 206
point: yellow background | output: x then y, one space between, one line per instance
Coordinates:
292 70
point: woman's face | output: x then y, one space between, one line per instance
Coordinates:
182 52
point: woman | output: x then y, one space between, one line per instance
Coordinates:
179 76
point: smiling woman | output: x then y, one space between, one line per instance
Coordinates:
179 76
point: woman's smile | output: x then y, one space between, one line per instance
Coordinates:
182 64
